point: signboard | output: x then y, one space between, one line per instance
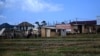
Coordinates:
63 26
98 20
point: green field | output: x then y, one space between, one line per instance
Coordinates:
72 45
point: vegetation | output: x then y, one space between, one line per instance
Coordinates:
43 23
72 45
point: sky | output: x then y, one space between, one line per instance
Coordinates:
17 11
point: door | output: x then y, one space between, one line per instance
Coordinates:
80 28
48 32
63 32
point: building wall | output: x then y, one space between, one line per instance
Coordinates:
53 34
73 29
91 29
43 32
85 29
48 32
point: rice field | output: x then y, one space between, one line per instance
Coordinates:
72 45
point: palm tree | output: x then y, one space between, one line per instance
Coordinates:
44 23
37 24
39 27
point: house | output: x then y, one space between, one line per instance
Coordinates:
48 31
83 26
24 26
63 29
55 31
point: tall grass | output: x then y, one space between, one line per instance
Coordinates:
71 45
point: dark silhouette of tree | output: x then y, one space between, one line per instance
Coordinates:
62 22
37 23
39 26
44 23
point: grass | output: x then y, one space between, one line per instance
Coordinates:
73 45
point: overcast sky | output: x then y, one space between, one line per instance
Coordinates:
16 11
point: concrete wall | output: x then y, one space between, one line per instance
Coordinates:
53 34
43 32
72 29
85 28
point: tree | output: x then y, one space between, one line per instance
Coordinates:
38 24
62 22
44 23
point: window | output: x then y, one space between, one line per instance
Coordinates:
53 30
